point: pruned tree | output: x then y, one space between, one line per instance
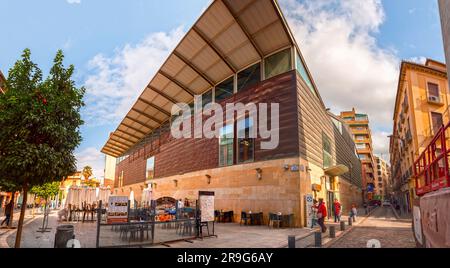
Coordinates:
39 126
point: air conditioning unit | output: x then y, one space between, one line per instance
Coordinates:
433 99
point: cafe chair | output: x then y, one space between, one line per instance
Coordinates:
244 218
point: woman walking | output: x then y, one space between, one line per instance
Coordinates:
321 214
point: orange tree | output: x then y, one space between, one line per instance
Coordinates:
39 126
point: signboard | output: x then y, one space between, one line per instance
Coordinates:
309 213
417 224
206 204
117 209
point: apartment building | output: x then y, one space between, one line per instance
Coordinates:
383 186
362 136
421 109
2 82
444 8
237 52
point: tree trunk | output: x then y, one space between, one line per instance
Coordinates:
13 194
22 214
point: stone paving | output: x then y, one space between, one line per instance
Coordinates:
383 226
230 235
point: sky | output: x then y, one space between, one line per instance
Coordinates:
352 47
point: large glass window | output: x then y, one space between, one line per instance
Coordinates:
226 142
150 169
278 63
207 98
121 179
327 157
246 146
304 74
225 89
249 77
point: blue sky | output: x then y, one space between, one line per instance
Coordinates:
96 34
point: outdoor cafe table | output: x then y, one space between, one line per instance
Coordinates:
256 218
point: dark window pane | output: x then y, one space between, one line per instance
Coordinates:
249 77
433 90
226 142
207 98
437 121
245 145
278 63
225 89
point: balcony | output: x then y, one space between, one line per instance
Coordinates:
436 100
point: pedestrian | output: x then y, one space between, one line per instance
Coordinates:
321 214
314 209
8 209
354 212
337 211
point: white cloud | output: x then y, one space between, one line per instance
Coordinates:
337 39
91 157
420 60
73 1
117 81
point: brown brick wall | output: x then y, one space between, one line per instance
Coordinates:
175 157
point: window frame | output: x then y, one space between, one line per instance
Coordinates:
290 48
146 167
232 145
245 69
325 152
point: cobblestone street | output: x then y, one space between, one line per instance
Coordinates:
383 226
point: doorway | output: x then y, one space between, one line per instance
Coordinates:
330 201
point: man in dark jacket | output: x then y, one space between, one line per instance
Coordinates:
8 210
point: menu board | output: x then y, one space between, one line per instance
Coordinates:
117 209
206 206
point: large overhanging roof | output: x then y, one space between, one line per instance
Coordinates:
229 36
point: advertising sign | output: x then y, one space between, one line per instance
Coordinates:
309 213
117 209
206 200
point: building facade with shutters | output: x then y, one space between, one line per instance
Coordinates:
237 52
362 136
421 109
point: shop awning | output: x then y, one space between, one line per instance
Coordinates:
337 170
230 36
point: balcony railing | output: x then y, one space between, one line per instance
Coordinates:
437 100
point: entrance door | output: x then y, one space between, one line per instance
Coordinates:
330 201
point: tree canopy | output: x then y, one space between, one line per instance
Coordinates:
47 190
39 123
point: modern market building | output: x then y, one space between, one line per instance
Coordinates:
237 52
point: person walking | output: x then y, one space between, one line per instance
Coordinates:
337 211
321 214
353 212
314 209
8 209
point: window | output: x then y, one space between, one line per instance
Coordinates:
302 71
338 124
121 179
207 98
249 77
361 117
150 170
225 89
362 156
437 122
360 146
226 142
246 146
360 138
433 90
327 157
278 63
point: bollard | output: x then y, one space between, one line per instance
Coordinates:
291 241
332 231
350 221
342 226
318 239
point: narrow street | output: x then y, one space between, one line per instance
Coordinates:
383 226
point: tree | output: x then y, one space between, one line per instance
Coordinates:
87 172
46 191
39 126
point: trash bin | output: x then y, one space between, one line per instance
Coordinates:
63 234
